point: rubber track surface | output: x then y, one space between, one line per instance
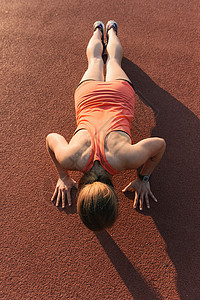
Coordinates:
47 253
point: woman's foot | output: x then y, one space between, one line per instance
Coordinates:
109 25
99 25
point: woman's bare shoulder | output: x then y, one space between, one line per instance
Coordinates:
79 150
81 136
115 145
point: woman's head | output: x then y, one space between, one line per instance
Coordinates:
97 203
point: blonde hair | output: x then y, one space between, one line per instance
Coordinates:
97 203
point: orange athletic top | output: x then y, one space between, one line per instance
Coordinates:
102 107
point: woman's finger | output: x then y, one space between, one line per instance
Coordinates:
135 203
141 201
127 187
54 194
69 198
152 196
147 200
58 197
63 199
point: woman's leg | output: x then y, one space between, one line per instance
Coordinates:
113 64
95 69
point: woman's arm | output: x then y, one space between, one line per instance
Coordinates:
156 152
59 151
148 153
57 147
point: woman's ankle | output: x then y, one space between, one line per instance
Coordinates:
97 33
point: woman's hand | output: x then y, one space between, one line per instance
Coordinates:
142 192
63 188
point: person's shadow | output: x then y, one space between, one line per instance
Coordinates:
177 217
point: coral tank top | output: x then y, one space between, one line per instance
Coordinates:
102 107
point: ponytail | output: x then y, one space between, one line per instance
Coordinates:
97 203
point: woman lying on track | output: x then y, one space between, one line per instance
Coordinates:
102 145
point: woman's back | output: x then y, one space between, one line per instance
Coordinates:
82 148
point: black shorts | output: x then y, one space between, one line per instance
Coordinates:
115 79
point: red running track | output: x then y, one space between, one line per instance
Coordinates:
47 253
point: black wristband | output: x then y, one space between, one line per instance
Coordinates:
144 178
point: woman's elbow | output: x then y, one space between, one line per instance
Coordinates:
161 143
49 140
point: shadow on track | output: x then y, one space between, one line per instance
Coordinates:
176 182
133 281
